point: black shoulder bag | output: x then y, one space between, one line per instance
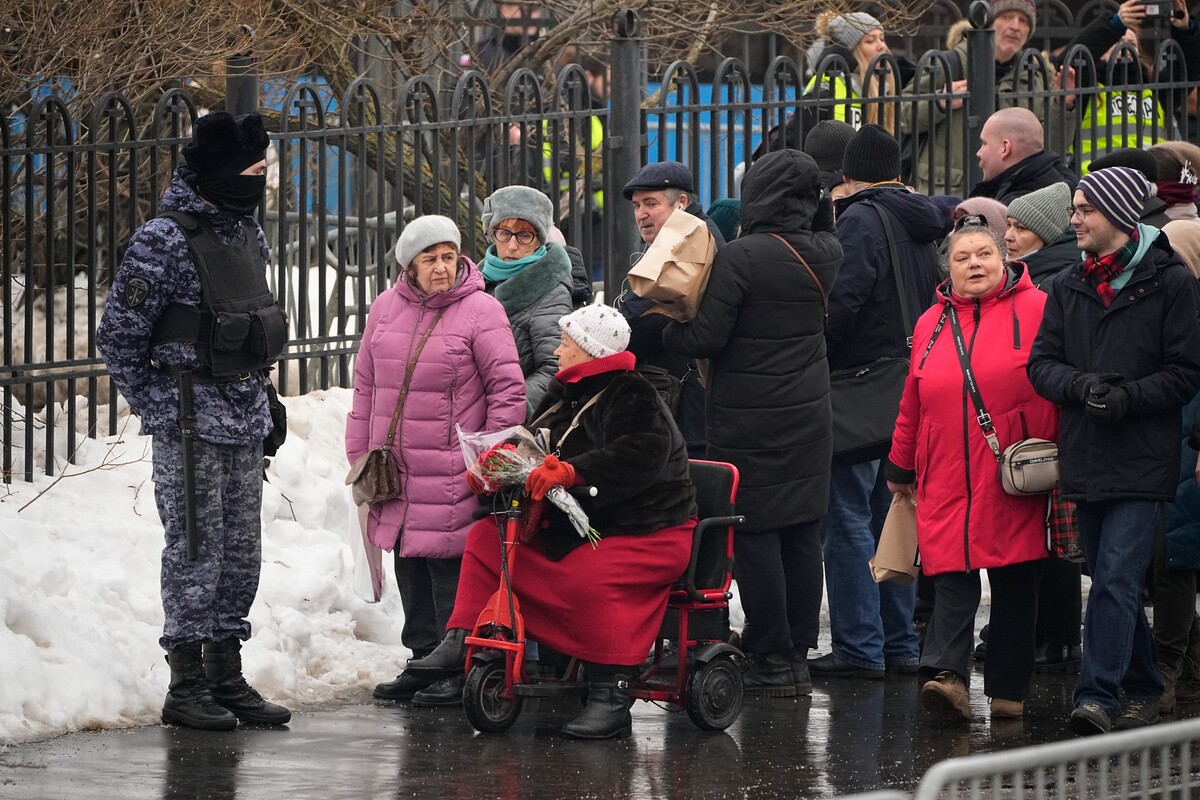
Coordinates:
866 399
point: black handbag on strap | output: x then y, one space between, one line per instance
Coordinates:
866 399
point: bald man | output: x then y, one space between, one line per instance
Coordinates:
1013 160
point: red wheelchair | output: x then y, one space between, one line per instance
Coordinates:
706 681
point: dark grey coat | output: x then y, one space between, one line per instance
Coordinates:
534 299
762 322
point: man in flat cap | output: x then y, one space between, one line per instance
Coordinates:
190 305
656 191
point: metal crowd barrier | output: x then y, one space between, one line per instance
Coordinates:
1162 761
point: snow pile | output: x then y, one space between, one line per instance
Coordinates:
80 614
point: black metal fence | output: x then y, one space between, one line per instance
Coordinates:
347 172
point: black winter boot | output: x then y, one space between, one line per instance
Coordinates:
606 715
770 675
223 668
403 688
446 692
446 659
189 701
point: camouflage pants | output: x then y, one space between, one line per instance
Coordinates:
208 600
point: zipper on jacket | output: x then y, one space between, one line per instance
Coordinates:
450 425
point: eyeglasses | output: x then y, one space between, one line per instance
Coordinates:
970 219
523 237
1081 211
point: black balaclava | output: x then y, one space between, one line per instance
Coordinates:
222 147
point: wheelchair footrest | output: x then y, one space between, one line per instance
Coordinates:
549 689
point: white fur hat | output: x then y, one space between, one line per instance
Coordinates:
600 330
423 233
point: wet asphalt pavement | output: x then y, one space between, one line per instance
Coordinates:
850 736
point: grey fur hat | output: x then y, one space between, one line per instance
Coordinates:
519 202
1046 212
423 233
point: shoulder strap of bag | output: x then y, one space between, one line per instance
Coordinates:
894 252
408 374
574 422
813 275
981 415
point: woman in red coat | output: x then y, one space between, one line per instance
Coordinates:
965 521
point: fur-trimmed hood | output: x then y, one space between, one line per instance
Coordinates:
535 281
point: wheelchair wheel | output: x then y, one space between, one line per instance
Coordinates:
487 711
714 694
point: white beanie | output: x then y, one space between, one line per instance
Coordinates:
600 330
423 233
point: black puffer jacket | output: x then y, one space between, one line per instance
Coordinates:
1038 171
1150 336
762 322
629 448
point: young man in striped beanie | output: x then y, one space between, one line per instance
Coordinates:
1119 351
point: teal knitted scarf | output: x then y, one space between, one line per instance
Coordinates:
497 269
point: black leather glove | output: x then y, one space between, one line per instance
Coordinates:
1081 387
1107 403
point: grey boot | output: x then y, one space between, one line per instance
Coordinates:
223 668
447 659
189 701
606 715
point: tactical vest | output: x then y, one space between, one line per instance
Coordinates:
1119 118
238 327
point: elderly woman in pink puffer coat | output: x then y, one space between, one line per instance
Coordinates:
468 374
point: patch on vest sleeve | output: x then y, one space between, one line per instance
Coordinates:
136 292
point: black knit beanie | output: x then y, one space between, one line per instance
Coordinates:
872 156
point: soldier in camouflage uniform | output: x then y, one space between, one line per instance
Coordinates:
169 313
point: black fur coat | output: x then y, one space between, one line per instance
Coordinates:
629 448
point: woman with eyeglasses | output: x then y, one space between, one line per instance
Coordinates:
530 276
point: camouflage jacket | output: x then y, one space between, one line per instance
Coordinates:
158 270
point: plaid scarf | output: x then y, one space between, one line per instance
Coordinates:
1103 269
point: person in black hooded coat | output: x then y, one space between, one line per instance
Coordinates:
762 324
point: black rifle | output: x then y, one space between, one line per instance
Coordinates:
187 420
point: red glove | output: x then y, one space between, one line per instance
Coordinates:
551 473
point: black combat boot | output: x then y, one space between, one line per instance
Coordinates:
189 701
223 668
447 658
606 715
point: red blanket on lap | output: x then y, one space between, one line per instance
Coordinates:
604 605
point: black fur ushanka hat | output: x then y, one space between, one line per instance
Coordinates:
223 144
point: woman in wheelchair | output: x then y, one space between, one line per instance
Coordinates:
603 605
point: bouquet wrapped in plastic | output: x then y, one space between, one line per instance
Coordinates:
504 459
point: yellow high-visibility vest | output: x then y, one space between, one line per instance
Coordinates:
851 113
1124 110
566 177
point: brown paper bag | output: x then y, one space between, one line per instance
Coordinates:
896 558
674 270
